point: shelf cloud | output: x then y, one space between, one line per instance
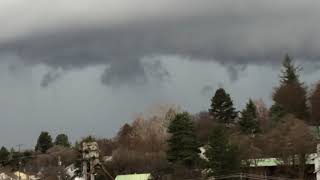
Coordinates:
119 34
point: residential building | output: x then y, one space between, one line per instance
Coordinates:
134 177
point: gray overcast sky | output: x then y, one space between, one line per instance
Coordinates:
85 67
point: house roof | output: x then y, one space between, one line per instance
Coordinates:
134 177
267 162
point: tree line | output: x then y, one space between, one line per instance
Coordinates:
220 141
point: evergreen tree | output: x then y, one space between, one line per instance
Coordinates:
44 142
222 155
290 72
62 140
276 113
291 95
248 120
183 144
222 107
4 154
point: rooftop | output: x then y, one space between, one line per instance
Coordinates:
134 177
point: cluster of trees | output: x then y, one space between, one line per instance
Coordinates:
141 146
166 140
233 139
45 141
43 158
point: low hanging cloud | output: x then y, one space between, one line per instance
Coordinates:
120 35
131 72
50 77
234 71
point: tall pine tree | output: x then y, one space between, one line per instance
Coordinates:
183 144
222 107
223 156
248 120
291 95
44 142
289 72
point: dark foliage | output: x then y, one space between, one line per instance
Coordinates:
223 156
222 107
44 142
62 140
183 144
248 120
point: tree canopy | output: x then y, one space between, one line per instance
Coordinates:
248 120
291 95
223 156
222 107
4 154
290 72
291 141
44 142
183 144
62 140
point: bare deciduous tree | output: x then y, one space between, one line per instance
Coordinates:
142 145
262 115
315 105
291 142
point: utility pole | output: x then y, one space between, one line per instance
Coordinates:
84 170
91 170
19 163
90 157
59 168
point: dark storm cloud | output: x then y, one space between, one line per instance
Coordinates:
231 33
129 72
234 71
156 70
50 77
120 49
